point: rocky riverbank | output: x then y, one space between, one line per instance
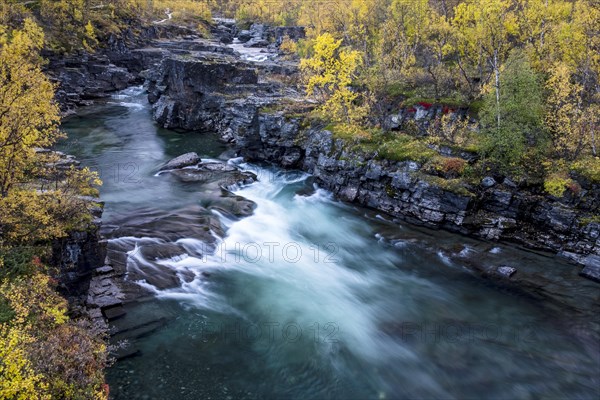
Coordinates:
248 105
237 86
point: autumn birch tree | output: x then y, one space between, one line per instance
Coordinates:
29 116
484 28
329 74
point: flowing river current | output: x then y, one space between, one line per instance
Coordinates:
311 298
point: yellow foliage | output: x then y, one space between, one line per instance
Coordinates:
28 120
18 380
43 355
483 29
589 167
538 20
402 34
453 130
575 39
564 112
28 115
31 215
288 46
180 10
33 302
329 74
90 40
556 184
282 13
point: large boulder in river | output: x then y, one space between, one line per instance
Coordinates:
184 160
214 175
231 206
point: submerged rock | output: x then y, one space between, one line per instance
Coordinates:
592 268
506 271
192 221
232 206
162 251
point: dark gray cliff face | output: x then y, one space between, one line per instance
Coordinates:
197 91
498 212
217 92
77 256
84 77
197 94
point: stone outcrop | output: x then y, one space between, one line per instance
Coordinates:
184 160
592 268
84 77
207 84
211 91
259 35
78 255
500 211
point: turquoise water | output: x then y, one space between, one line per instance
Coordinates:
310 298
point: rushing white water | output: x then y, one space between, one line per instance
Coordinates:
307 297
253 54
301 256
320 278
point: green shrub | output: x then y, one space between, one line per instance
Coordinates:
589 168
457 186
595 219
406 148
396 89
19 261
556 184
352 132
6 311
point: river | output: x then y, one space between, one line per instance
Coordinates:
311 298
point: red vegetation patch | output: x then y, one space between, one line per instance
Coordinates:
574 187
447 110
452 166
37 262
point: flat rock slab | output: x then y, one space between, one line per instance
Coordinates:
114 313
184 160
592 268
139 331
214 176
104 293
105 270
